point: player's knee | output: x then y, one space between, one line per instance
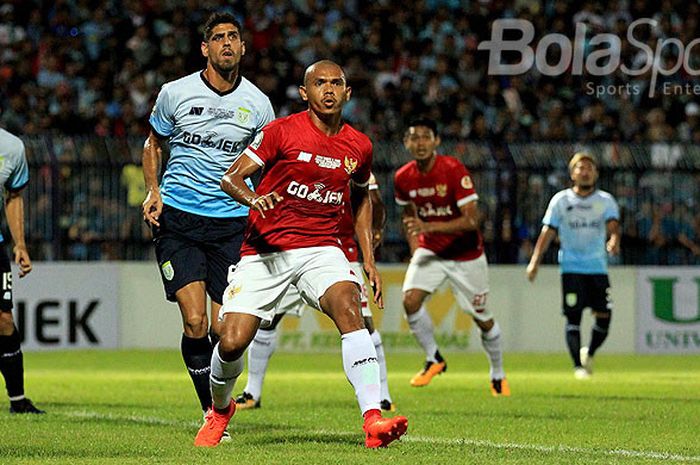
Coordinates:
231 346
196 325
412 302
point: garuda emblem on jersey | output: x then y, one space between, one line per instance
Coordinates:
441 190
350 165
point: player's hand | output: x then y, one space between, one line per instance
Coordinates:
613 247
152 207
22 260
532 271
266 202
415 225
375 280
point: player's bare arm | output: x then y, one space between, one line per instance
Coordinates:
14 211
545 238
613 244
233 183
409 212
468 221
363 231
378 217
151 161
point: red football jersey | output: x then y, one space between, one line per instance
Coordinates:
438 196
311 171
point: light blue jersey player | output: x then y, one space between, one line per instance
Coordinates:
14 177
583 217
208 118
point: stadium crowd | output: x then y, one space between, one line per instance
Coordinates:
88 68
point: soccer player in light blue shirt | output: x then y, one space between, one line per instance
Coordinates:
14 177
587 221
208 118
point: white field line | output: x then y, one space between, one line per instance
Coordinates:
650 455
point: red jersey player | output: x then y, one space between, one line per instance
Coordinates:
441 221
307 160
265 342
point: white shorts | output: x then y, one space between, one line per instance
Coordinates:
259 282
292 303
469 280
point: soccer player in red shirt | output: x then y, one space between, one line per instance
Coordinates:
265 342
307 160
441 222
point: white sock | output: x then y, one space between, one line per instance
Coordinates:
222 378
259 353
361 368
491 340
381 360
422 328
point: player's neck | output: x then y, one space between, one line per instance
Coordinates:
583 191
221 81
426 164
330 125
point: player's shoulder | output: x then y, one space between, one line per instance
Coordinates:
10 143
254 90
288 123
358 136
562 195
182 85
605 195
406 170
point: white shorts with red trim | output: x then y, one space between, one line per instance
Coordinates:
468 279
259 283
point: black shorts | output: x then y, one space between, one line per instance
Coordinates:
192 248
585 290
6 277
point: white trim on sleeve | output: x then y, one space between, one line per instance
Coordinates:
401 202
462 202
253 157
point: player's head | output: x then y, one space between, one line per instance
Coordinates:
325 88
222 43
583 170
421 138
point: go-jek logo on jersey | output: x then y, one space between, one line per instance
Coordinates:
209 140
314 193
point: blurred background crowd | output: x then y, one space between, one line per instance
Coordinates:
78 79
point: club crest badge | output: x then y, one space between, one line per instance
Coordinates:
243 115
168 270
441 190
350 165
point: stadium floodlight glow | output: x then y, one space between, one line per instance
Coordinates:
602 61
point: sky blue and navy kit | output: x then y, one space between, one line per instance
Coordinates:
14 176
581 223
201 227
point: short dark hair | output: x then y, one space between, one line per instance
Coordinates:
425 122
219 18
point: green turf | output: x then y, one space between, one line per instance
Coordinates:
139 408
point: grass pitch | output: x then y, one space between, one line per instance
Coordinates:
138 407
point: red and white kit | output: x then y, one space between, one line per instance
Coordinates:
459 258
297 242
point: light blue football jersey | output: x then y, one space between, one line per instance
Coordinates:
14 173
581 223
207 131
